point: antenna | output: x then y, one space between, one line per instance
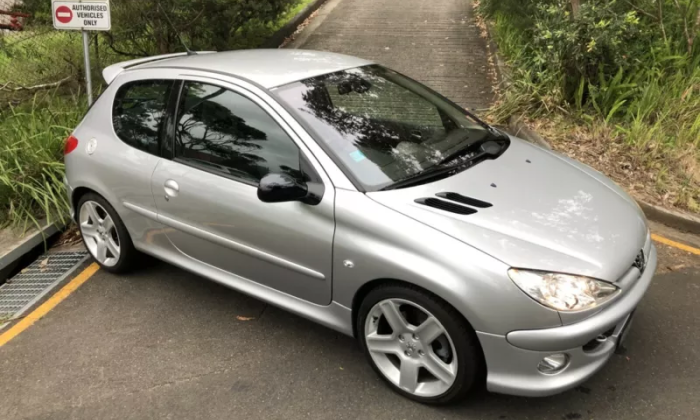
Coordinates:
189 52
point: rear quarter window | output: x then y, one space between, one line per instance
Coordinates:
139 111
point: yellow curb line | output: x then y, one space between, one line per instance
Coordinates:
675 244
51 303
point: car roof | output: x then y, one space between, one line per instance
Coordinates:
266 67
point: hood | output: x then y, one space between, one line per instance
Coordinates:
536 209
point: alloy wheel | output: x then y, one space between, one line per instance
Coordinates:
99 233
411 347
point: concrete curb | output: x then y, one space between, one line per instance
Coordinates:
682 221
502 71
278 38
26 245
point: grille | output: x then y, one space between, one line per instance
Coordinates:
27 287
640 262
464 200
445 205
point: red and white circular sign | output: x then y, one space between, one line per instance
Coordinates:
64 14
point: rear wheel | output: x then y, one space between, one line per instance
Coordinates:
104 234
419 344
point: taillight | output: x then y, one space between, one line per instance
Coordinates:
71 144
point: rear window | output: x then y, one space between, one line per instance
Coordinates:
138 113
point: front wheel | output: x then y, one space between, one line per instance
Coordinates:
419 344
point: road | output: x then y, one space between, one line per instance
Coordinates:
440 45
164 343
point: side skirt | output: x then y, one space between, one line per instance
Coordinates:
334 316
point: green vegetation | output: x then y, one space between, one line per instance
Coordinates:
149 27
31 158
46 58
615 83
35 122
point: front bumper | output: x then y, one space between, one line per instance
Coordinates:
512 360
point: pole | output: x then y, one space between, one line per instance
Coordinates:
88 76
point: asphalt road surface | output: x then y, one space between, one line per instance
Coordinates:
164 343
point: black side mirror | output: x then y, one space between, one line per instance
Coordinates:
280 188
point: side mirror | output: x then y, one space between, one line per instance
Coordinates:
280 188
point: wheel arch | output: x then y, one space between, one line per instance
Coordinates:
79 189
77 194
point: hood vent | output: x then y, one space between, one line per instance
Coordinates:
464 200
445 205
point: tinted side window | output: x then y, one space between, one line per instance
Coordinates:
220 130
139 109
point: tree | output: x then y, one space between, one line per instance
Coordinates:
149 27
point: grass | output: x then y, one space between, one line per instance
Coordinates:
28 59
640 127
31 159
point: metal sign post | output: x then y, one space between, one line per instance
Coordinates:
88 75
88 15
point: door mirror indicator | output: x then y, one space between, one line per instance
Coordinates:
281 188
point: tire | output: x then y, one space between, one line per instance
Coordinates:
457 347
92 206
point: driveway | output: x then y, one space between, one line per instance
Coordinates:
437 43
164 343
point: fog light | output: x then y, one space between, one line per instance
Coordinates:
554 363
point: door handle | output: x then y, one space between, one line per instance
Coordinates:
171 189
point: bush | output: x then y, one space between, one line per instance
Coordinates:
31 158
563 51
149 27
143 28
629 66
44 58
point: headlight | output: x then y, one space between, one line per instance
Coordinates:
563 292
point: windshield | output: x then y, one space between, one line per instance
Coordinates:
381 126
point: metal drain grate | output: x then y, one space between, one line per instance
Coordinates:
27 287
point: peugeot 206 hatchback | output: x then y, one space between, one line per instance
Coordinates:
358 198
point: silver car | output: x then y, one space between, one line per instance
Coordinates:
351 195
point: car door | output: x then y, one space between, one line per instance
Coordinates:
224 140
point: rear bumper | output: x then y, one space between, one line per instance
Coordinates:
69 191
512 360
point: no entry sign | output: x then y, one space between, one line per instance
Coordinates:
64 14
90 15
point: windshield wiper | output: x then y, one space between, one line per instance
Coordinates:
488 149
459 153
431 174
